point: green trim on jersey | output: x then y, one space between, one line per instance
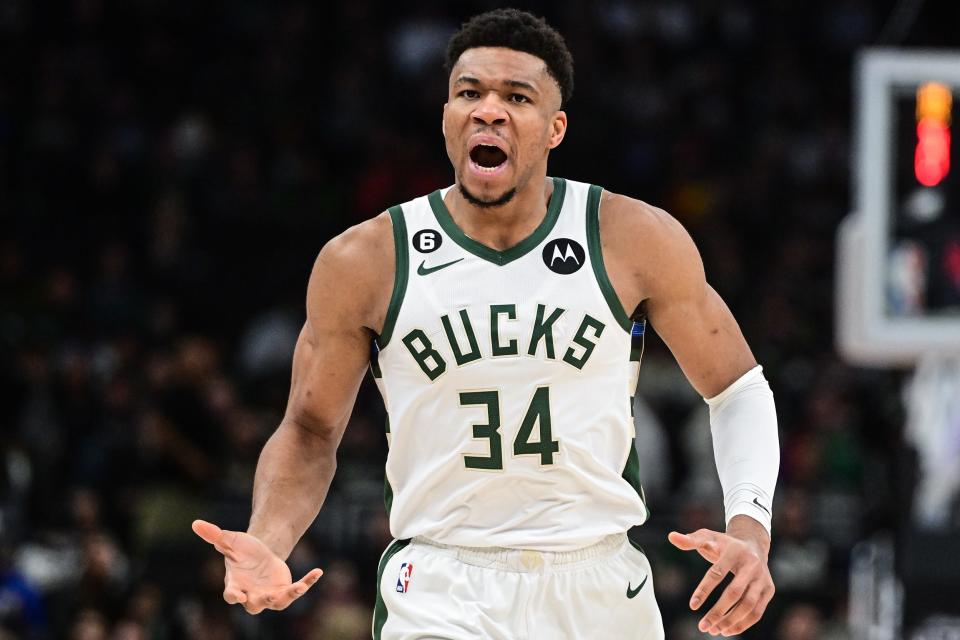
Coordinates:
596 258
636 546
380 610
387 494
387 489
506 256
400 278
631 473
375 360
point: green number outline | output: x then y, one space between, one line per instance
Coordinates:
538 412
490 430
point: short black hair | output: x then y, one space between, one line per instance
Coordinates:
520 31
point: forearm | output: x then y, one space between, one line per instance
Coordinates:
743 422
293 476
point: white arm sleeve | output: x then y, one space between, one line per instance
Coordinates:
746 446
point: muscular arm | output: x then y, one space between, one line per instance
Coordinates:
651 257
347 298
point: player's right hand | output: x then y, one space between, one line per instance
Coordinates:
256 577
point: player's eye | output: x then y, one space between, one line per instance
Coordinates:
469 94
518 98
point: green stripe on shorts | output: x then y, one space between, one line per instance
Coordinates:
380 610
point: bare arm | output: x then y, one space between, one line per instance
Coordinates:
347 299
651 258
347 295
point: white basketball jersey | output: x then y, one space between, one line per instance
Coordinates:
508 379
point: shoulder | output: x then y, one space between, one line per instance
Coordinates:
622 215
648 242
354 271
359 246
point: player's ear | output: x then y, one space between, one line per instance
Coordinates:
559 129
443 120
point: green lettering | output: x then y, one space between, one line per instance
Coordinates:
543 330
538 412
496 310
490 430
458 355
424 353
580 339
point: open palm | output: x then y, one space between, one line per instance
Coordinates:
744 600
256 577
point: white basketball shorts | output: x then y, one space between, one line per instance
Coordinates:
435 591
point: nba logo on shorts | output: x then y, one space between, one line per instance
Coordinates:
403 581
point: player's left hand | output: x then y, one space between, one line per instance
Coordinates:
746 597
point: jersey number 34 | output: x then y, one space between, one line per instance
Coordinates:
537 413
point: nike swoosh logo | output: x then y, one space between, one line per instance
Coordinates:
422 270
762 507
632 593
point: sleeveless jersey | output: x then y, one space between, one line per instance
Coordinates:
508 379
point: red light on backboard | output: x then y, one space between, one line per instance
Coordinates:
931 162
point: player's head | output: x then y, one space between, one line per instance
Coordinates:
510 74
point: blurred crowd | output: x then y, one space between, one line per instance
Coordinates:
169 171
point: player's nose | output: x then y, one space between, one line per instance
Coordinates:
490 111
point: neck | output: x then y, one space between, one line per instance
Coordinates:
506 225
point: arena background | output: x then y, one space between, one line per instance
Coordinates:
169 171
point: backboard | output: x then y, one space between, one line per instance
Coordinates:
898 254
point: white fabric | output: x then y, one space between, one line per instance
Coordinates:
581 496
746 446
500 594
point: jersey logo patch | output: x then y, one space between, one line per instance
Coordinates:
403 580
563 256
632 593
423 270
427 240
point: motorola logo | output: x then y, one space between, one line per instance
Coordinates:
563 255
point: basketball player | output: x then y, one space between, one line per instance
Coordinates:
506 317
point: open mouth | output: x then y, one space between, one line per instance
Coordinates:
487 158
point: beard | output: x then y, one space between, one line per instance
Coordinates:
488 204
